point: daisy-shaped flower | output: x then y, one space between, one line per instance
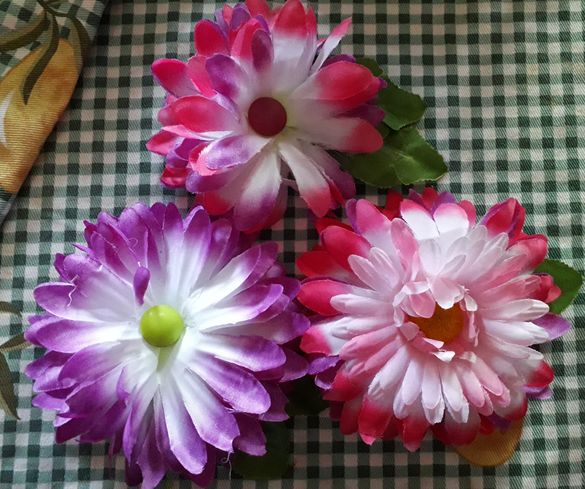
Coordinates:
427 317
256 109
165 336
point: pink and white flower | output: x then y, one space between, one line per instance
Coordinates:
167 337
261 100
427 317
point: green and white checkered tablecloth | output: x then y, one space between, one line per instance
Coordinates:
505 86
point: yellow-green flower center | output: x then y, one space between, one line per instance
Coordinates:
161 326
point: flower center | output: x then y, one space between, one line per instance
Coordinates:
161 326
267 116
444 325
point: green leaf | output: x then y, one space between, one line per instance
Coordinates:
384 130
405 158
566 278
402 108
22 37
15 343
371 65
38 68
305 398
7 307
8 401
275 463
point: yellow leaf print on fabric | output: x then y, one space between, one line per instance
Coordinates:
24 127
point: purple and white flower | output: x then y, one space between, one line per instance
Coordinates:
166 336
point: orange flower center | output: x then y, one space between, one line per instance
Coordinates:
444 325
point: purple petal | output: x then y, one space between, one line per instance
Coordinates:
260 192
226 75
321 364
232 151
222 247
45 401
214 423
176 432
132 473
198 182
371 113
233 384
251 352
278 403
208 474
97 295
295 368
556 326
107 425
500 423
240 15
540 393
240 273
252 439
71 428
262 50
141 279
245 306
150 461
280 329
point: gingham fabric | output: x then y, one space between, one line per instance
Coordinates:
505 87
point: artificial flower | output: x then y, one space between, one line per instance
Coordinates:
261 100
427 317
165 336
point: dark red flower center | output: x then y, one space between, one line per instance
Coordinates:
267 116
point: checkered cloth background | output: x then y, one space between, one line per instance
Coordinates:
505 86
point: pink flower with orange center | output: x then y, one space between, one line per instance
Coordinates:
426 317
257 109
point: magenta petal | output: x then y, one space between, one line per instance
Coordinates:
201 115
172 75
209 39
556 326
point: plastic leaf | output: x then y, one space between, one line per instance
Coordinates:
371 65
405 158
566 278
402 108
275 463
